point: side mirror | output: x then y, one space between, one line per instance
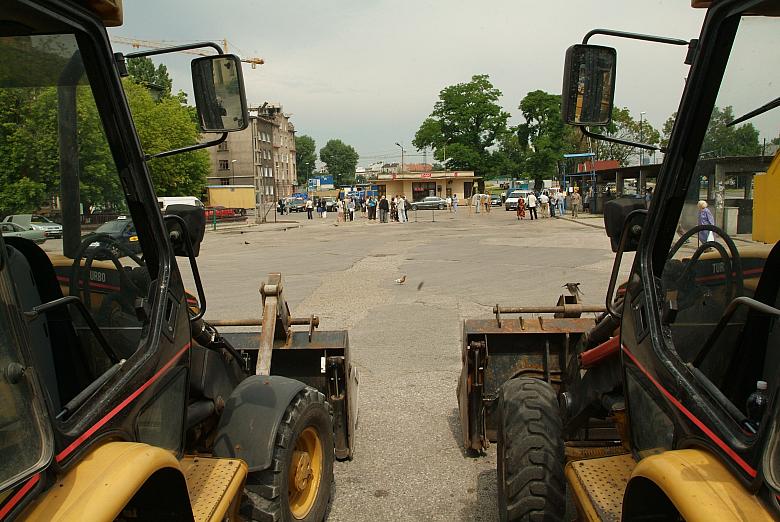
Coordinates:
191 224
588 85
218 84
617 214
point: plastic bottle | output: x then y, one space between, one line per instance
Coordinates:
756 404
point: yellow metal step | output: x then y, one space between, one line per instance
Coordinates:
598 485
214 485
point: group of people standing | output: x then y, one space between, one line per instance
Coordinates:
547 204
394 209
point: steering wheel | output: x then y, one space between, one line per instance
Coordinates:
106 248
734 275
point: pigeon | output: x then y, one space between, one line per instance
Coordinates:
401 280
246 242
573 288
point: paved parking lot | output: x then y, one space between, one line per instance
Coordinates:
405 339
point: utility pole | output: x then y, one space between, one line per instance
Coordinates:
402 155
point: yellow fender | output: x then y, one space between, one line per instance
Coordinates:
103 482
699 486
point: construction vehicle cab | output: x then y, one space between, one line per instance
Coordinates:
665 407
119 400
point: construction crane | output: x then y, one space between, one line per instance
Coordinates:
138 43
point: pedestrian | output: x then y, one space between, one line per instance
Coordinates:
486 202
531 204
520 208
401 205
449 203
351 208
560 199
394 208
552 205
280 203
576 200
455 203
372 208
544 202
648 196
384 209
705 218
339 211
475 201
309 208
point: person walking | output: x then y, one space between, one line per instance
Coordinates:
401 209
280 204
324 209
531 204
449 203
455 203
705 218
339 211
475 202
544 202
309 208
486 202
351 208
384 208
394 209
520 208
576 200
371 208
560 199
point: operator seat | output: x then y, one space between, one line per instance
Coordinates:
758 355
55 345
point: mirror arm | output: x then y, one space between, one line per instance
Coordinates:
635 36
610 301
188 148
193 265
597 136
175 49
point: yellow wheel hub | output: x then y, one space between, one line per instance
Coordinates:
305 473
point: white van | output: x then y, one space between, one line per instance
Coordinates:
514 196
179 200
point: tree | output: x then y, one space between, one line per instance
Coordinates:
143 72
624 126
541 138
466 122
305 157
341 160
722 140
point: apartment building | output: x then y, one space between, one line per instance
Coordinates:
262 155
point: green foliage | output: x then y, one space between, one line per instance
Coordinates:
720 140
305 157
541 139
167 125
341 160
625 127
143 72
466 122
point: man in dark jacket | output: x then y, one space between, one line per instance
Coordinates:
384 208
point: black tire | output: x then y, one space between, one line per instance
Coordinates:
531 484
441 207
266 493
414 207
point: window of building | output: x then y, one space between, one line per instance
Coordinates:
423 189
224 181
224 165
223 146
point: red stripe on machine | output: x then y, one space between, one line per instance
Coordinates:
119 407
703 427
19 495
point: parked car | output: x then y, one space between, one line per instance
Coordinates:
295 205
495 200
330 204
514 196
121 230
14 230
430 203
36 222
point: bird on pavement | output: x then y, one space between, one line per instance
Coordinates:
401 280
573 288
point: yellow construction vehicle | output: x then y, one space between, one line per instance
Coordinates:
119 400
664 406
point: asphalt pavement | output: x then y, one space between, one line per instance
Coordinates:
405 339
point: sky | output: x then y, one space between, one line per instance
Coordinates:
368 72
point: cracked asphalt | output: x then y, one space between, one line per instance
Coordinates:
405 339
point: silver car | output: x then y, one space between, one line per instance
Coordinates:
36 222
430 203
14 230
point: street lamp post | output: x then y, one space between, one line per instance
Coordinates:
641 137
402 155
233 171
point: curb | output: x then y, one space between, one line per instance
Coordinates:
581 222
